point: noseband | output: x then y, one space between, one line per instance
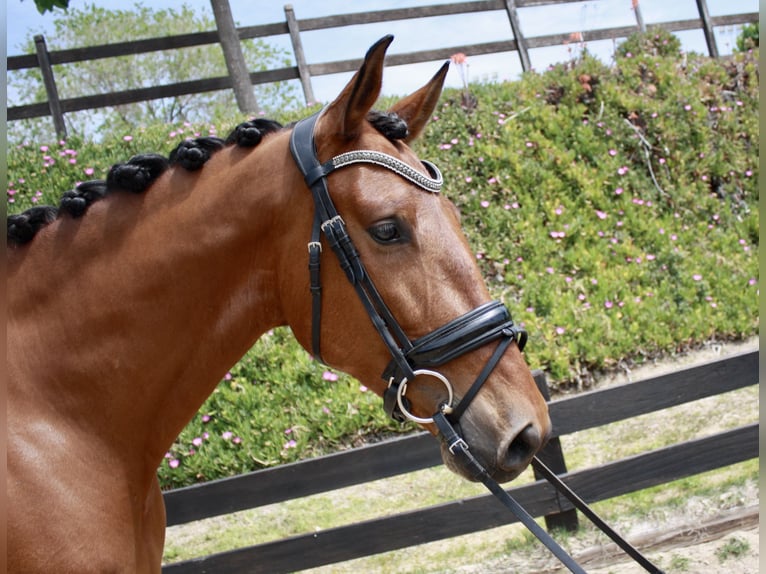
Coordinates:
409 359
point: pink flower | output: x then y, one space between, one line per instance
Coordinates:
608 304
329 376
485 203
197 441
88 171
226 435
127 138
600 214
697 277
613 152
458 58
560 330
173 463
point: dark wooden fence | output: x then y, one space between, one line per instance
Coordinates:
402 455
511 9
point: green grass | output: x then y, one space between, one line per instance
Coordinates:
613 208
733 548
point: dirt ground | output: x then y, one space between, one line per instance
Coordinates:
693 541
726 543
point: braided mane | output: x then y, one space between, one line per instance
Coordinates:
141 171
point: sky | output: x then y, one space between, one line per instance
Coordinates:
23 21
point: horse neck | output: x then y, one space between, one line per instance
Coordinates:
153 297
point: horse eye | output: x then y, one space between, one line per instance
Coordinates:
385 232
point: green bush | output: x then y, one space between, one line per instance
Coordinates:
614 209
748 39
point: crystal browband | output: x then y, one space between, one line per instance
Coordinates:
432 184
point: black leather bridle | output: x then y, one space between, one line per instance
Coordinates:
487 323
481 326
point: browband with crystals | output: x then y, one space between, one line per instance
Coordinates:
431 183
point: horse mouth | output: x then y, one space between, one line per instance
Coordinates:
503 464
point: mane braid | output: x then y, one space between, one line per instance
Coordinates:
137 174
22 227
77 201
192 154
251 132
389 124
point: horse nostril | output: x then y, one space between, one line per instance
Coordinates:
522 448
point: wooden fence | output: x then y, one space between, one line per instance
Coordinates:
512 9
403 455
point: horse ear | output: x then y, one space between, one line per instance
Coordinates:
343 118
416 109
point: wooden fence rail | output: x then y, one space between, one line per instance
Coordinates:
519 43
402 455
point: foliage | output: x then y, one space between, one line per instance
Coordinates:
734 547
613 208
86 26
44 6
657 42
748 39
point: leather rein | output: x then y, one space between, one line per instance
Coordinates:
486 324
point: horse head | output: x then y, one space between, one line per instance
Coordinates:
408 299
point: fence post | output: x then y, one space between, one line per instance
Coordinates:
552 456
521 45
300 58
707 27
639 17
235 59
44 61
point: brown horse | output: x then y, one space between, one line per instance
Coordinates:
122 320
